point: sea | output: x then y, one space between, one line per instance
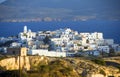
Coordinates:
109 28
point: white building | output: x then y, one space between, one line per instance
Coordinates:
15 44
92 47
104 48
109 41
97 35
94 35
45 52
100 42
115 47
118 49
91 38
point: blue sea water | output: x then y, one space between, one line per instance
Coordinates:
110 29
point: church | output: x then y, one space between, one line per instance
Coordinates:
27 34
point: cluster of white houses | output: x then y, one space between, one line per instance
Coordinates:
63 43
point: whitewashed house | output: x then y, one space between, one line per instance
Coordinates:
109 41
15 44
100 42
97 35
104 48
115 46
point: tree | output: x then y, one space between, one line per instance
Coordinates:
112 52
46 40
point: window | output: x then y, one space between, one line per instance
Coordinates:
13 52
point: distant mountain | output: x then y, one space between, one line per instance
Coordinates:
57 10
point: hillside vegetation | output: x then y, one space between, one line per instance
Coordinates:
57 67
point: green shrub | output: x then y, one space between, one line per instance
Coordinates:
13 73
99 61
118 67
44 69
102 72
2 68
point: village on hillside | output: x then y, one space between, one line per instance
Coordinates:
59 43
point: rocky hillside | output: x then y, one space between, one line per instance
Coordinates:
58 67
25 62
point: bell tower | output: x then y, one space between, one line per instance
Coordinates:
25 29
